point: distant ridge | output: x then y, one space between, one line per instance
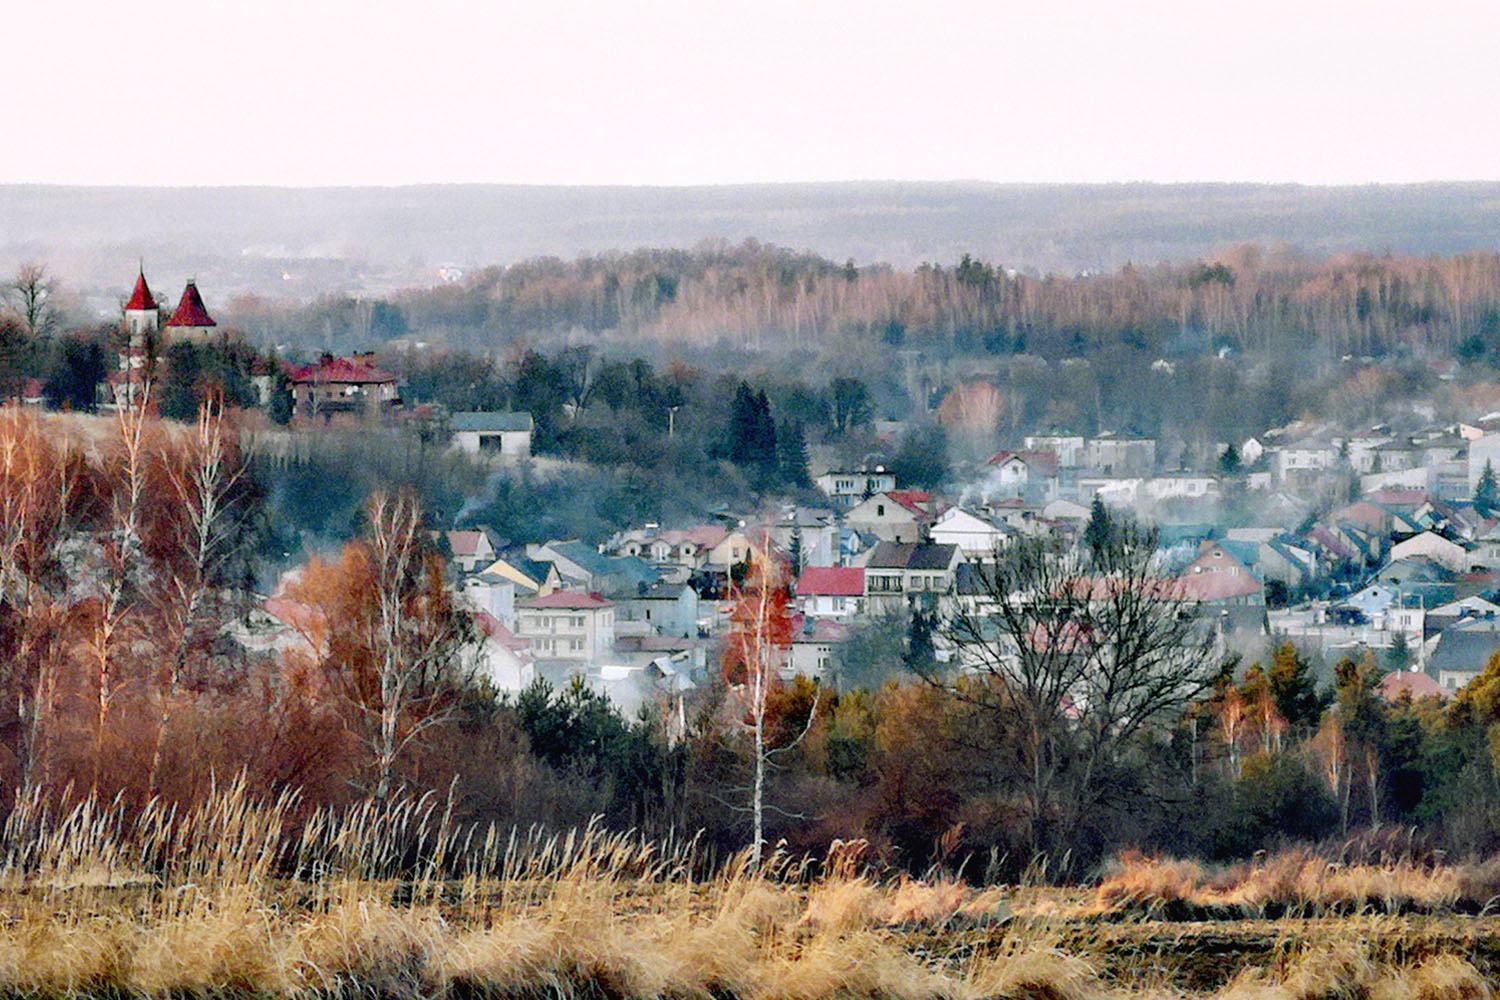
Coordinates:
304 241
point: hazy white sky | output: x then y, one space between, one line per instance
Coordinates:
704 91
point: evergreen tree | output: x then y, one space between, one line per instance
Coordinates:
752 433
1098 534
1296 689
921 652
74 383
1229 462
1487 494
791 459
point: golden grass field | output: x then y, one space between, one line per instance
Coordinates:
252 898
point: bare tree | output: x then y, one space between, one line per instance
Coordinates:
414 637
202 474
757 648
37 483
30 293
123 567
1078 660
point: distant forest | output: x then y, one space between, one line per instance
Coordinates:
1247 300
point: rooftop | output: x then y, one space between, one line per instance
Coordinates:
491 422
190 310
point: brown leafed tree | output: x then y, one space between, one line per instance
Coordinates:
388 635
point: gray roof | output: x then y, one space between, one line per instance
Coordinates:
1464 649
492 422
909 555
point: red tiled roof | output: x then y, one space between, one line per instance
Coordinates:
913 500
465 543
1210 587
1414 683
822 630
340 370
32 388
191 311
832 581
492 627
566 599
141 298
1043 463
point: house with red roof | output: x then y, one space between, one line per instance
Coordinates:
835 592
813 643
892 516
335 386
1411 684
504 658
569 632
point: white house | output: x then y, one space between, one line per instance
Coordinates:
504 658
847 487
471 549
1483 451
1447 554
975 536
578 629
891 516
831 591
506 435
1070 449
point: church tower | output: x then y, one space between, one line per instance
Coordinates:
191 320
141 314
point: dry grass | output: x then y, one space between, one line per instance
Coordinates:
243 897
1298 881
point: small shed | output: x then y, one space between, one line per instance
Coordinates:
496 434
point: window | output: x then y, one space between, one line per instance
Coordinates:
880 510
575 644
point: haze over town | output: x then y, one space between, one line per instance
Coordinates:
800 499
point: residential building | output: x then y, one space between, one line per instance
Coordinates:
1121 454
892 516
1071 449
813 643
504 659
669 609
900 573
977 537
847 487
831 591
1445 552
342 386
471 549
571 630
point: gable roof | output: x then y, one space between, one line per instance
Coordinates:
190 310
1042 463
567 599
466 542
141 299
915 501
911 555
1412 683
493 422
831 581
343 370
1465 648
492 627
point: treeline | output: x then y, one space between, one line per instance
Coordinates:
1252 300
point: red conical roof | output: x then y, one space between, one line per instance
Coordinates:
190 311
141 298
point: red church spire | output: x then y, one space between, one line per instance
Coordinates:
190 311
140 299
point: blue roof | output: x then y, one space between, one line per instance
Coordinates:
491 422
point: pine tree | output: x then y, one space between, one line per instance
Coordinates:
1099 533
791 459
1487 494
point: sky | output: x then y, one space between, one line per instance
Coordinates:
672 92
